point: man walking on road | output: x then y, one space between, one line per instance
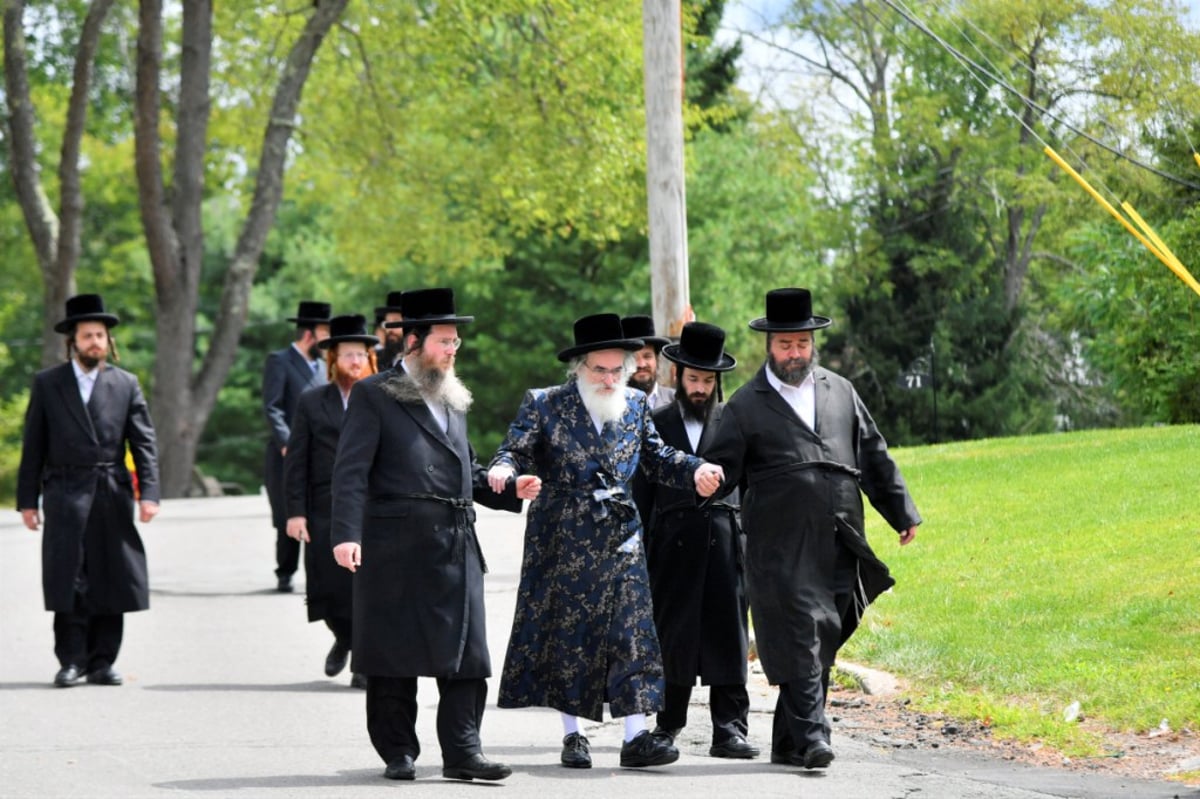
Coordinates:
81 416
802 442
645 372
288 374
403 522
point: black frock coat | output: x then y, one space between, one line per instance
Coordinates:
73 457
801 499
308 470
286 376
694 556
418 594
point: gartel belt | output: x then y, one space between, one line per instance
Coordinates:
464 523
775 471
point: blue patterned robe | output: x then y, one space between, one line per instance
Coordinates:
583 633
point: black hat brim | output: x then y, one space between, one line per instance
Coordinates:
658 342
671 353
765 325
109 320
369 340
627 344
430 321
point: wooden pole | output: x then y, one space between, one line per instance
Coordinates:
666 202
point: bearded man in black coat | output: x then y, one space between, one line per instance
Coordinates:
81 415
404 524
801 442
694 556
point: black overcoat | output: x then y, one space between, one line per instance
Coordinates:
694 555
73 457
418 595
801 497
308 470
286 375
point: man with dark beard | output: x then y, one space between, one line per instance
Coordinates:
801 441
404 524
391 339
583 631
694 555
312 447
81 415
287 374
645 374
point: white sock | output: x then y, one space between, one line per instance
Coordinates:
570 724
634 723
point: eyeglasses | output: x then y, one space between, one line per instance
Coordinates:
599 372
352 356
448 343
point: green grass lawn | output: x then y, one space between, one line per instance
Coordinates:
1049 569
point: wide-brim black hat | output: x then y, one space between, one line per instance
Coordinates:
311 313
427 307
351 327
600 331
701 346
640 326
789 311
86 308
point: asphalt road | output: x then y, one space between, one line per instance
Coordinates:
225 696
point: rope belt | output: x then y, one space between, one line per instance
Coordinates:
605 502
464 523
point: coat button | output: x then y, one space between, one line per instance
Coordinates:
429 468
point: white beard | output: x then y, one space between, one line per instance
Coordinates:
604 407
438 386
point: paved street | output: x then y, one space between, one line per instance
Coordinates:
225 696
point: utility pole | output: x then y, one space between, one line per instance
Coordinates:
662 45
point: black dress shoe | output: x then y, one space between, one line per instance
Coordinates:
818 755
105 676
402 768
736 748
647 750
665 735
284 586
576 752
476 767
358 681
335 661
67 676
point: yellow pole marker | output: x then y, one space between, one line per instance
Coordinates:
1173 261
1197 157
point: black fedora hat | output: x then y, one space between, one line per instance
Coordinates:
86 308
600 331
789 311
311 313
351 327
701 346
639 326
425 307
392 306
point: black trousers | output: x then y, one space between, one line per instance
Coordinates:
90 641
392 717
729 706
287 550
342 629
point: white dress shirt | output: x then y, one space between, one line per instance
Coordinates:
802 398
85 379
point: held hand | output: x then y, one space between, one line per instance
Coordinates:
297 528
529 486
348 555
147 511
498 477
907 536
708 479
32 518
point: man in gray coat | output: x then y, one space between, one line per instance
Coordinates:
803 445
403 522
81 415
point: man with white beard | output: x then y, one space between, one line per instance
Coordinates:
403 522
583 633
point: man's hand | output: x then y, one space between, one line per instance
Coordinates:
31 517
297 528
147 511
906 536
708 479
348 555
498 477
528 486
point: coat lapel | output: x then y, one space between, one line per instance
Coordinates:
302 368
673 428
331 402
69 387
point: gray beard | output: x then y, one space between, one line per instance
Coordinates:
418 384
605 408
795 375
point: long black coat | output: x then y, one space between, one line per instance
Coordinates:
308 469
802 497
286 376
418 595
73 458
695 560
